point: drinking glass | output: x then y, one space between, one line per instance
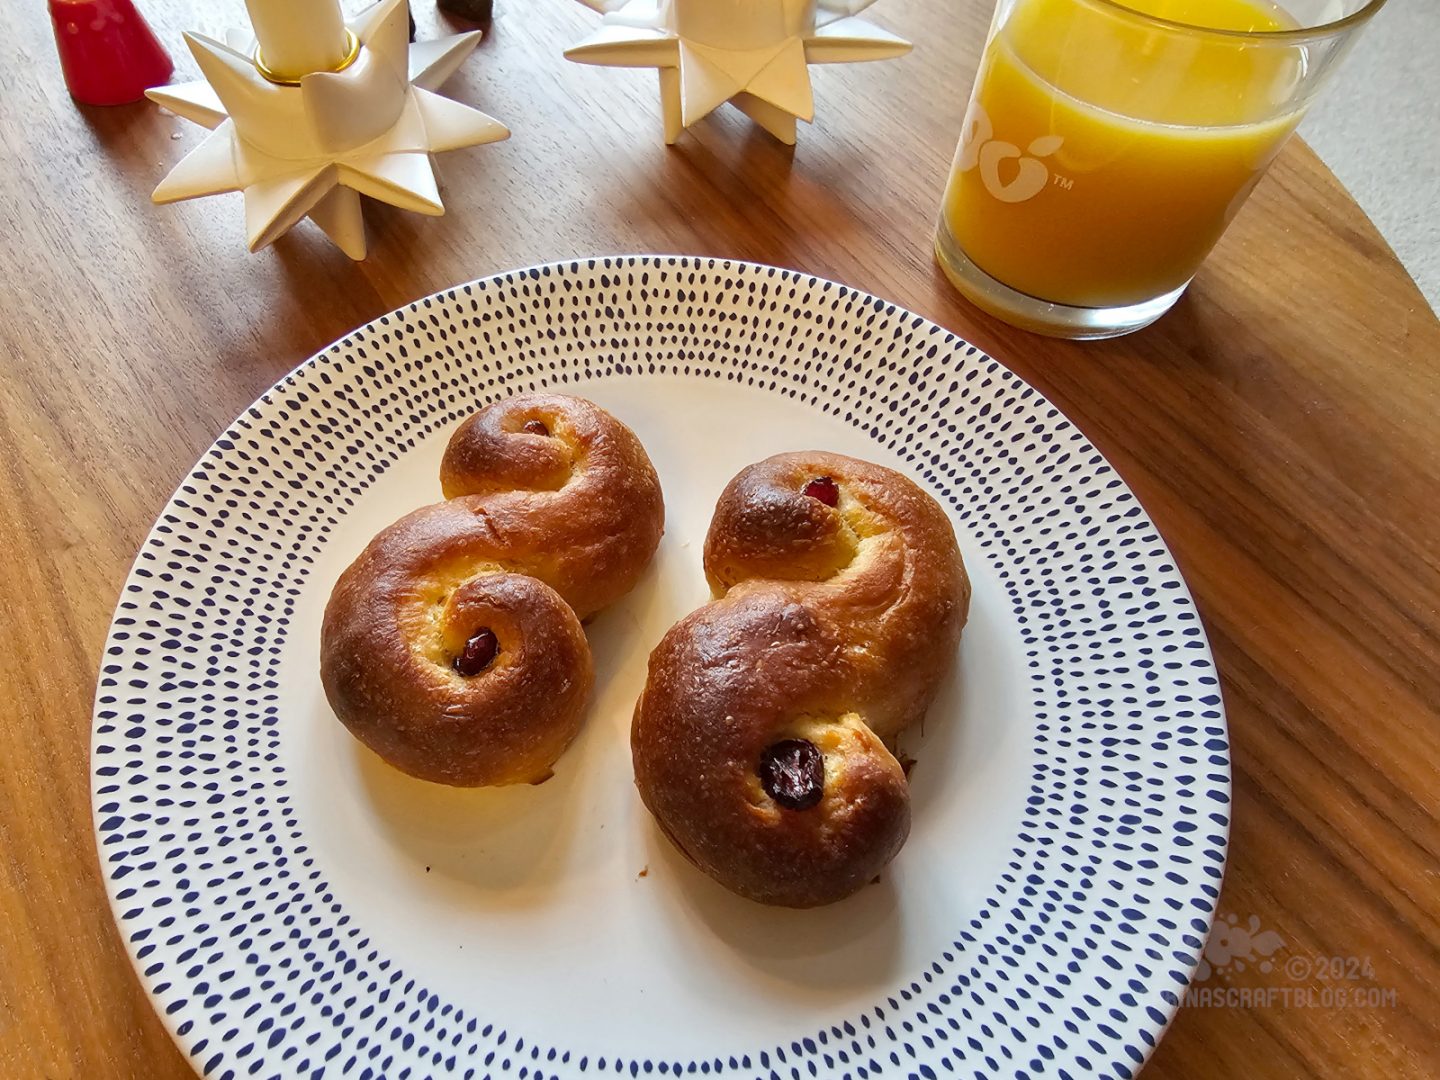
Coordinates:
1107 146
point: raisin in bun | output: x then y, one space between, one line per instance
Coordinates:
760 740
452 646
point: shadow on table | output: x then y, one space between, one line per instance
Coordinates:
791 209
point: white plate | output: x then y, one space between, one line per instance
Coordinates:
293 905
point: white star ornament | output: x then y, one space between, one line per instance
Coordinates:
754 54
312 148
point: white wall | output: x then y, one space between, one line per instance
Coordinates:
1378 128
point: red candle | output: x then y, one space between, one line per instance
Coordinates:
108 52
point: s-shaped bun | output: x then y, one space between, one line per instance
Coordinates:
452 646
760 741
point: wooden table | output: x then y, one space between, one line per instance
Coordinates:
1279 425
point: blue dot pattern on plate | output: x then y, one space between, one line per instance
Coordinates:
1082 951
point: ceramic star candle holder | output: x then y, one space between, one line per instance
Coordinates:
751 53
308 114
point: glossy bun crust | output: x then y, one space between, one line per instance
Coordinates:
552 511
832 626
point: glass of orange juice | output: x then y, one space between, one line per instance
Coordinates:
1109 143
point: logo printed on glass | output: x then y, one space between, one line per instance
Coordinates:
978 146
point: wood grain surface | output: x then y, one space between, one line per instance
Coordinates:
1279 425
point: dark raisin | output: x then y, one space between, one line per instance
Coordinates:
535 427
479 653
792 772
824 489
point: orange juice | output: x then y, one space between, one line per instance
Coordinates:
1101 160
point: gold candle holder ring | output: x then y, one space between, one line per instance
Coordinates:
352 50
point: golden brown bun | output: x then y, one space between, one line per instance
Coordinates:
832 626
540 529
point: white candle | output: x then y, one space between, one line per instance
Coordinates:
299 36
